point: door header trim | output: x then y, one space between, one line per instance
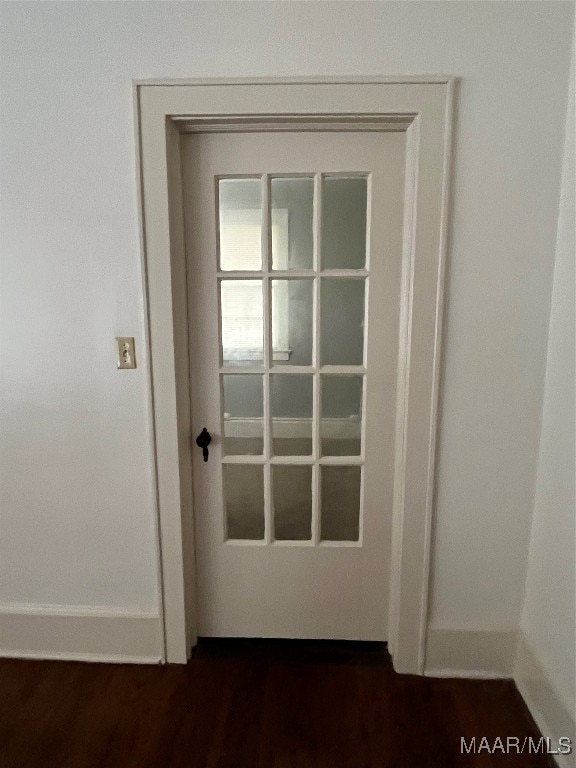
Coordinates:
283 122
421 79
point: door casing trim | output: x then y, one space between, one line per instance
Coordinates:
422 106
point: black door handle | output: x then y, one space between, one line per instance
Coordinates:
203 441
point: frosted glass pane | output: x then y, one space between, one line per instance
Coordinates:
340 515
240 218
292 322
244 500
292 502
243 411
291 405
341 424
342 321
242 324
292 229
343 222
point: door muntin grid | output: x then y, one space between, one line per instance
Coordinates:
263 425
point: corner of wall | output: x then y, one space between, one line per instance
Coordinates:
541 665
543 700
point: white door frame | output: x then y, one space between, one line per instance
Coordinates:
421 106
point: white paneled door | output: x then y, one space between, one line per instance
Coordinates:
294 248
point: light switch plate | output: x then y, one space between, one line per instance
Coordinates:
126 352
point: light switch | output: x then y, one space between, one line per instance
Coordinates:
126 352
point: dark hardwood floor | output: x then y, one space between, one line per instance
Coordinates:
253 704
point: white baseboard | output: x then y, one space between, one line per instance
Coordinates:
80 633
470 653
551 715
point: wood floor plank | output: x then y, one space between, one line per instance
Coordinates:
240 704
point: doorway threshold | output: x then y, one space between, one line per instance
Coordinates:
353 652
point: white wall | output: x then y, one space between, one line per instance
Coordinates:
548 619
77 500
